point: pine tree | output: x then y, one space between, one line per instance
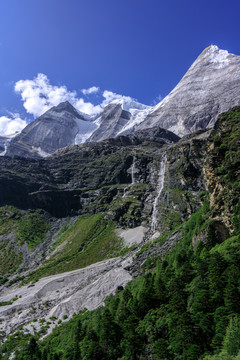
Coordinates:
231 343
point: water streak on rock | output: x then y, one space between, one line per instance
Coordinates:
133 171
161 176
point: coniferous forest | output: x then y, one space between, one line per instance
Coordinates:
186 307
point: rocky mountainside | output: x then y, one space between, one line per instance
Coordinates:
64 176
209 87
63 126
86 220
118 117
60 126
112 120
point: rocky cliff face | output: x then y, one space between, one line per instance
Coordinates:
112 120
222 169
120 177
70 172
57 128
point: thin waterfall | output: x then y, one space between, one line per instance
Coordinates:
133 170
160 184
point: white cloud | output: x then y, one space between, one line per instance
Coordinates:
127 102
110 96
87 107
39 95
11 125
91 90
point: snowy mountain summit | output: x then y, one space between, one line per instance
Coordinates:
210 86
56 128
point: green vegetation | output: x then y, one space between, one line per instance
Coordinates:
90 239
225 160
15 280
28 227
3 280
186 308
9 258
32 229
3 303
63 229
9 218
16 228
128 210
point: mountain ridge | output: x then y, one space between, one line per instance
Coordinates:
212 89
209 87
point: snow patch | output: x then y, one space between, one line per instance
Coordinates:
129 105
214 55
4 151
138 113
85 130
179 128
218 57
5 141
42 153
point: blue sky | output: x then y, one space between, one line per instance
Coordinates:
137 48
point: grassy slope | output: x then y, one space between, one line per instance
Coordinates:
16 229
90 239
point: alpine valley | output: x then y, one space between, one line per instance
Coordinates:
120 233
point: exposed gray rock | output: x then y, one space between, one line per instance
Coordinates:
56 128
112 120
2 143
210 86
155 134
60 295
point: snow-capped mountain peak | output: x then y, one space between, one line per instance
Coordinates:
210 87
213 55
